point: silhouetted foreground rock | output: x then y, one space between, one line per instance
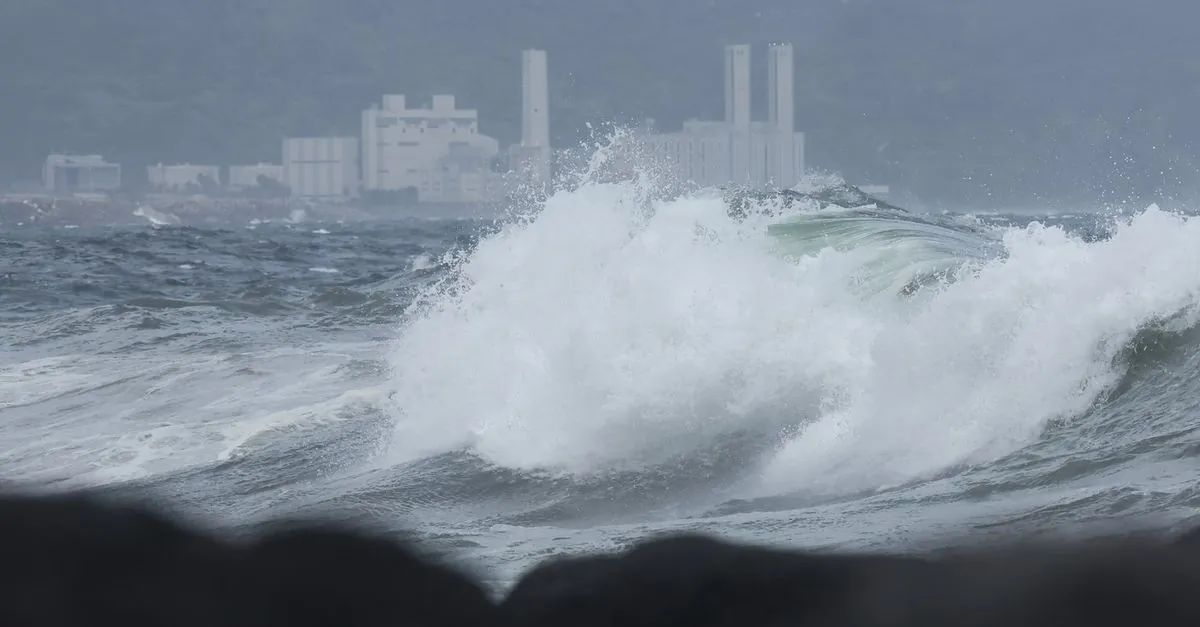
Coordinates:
701 582
72 560
67 561
698 581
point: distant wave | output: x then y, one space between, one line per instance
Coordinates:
155 217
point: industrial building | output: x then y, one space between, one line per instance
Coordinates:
321 167
532 157
438 151
244 176
80 173
182 177
737 150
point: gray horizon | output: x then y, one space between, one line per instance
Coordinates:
972 102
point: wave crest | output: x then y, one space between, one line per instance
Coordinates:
611 333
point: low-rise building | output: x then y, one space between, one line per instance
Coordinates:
321 167
80 173
244 176
183 177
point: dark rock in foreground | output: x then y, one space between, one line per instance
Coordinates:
76 560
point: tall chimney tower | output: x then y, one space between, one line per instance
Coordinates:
737 86
781 92
785 150
535 114
737 111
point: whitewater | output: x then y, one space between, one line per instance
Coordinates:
614 364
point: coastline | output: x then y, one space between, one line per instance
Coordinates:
24 211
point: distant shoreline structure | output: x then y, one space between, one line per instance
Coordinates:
92 210
31 210
411 153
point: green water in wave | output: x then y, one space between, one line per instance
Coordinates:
897 252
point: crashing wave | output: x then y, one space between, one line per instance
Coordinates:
156 217
744 202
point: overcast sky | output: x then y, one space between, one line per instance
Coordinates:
953 100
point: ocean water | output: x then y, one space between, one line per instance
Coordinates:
615 366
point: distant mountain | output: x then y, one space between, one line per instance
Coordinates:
957 101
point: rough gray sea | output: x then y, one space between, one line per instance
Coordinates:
610 368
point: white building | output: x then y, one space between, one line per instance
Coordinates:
739 151
321 167
436 150
243 176
80 173
532 157
178 178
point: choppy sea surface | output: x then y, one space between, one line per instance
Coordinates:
612 367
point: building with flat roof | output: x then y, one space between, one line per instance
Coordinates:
738 150
436 150
244 176
80 173
182 177
321 167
